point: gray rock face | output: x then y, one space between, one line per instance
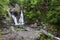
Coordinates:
23 35
28 34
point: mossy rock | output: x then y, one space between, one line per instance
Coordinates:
1 36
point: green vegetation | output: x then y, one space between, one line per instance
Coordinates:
1 35
47 11
44 37
3 7
35 9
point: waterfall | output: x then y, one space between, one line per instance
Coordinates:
15 20
21 20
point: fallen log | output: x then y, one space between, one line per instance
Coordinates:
49 34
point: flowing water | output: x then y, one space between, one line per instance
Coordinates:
15 20
21 19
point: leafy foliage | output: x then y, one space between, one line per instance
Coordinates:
36 9
54 13
3 7
44 10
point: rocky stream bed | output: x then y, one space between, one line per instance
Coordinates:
25 33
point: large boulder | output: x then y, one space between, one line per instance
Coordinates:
23 35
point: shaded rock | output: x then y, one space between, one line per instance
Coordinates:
34 25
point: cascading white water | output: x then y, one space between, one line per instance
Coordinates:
15 20
21 20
